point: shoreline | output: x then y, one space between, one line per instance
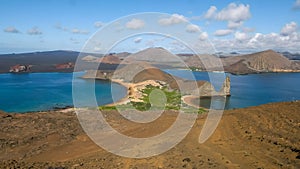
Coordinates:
187 99
232 73
123 100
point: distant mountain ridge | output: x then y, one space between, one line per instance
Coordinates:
41 61
265 61
291 56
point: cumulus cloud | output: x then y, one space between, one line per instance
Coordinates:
272 41
240 36
289 28
223 32
135 24
234 14
211 12
297 4
174 19
191 28
234 25
137 40
203 36
11 29
246 29
259 42
78 31
98 24
34 31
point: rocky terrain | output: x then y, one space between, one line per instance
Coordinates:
142 71
265 61
265 136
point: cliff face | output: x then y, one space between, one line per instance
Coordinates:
207 89
268 61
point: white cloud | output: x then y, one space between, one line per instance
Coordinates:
137 40
246 29
74 30
259 42
289 29
98 24
234 25
97 49
240 36
297 4
135 24
11 29
78 31
60 27
34 31
203 36
174 19
234 14
191 28
211 12
223 32
75 41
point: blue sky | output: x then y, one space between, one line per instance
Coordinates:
35 25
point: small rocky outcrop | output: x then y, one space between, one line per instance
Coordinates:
226 87
20 68
98 74
65 65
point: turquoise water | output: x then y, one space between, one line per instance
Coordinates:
249 90
44 91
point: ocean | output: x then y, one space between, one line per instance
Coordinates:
44 91
248 90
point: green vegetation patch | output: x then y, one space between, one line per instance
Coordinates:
157 98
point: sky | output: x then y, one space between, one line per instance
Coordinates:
230 26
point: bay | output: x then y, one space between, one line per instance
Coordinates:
248 90
45 91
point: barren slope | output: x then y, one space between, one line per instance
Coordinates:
266 136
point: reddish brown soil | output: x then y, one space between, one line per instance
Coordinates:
266 136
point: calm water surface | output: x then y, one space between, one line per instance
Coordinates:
44 91
250 90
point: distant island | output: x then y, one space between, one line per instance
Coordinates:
63 61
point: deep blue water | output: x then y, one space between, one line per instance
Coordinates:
44 91
250 90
